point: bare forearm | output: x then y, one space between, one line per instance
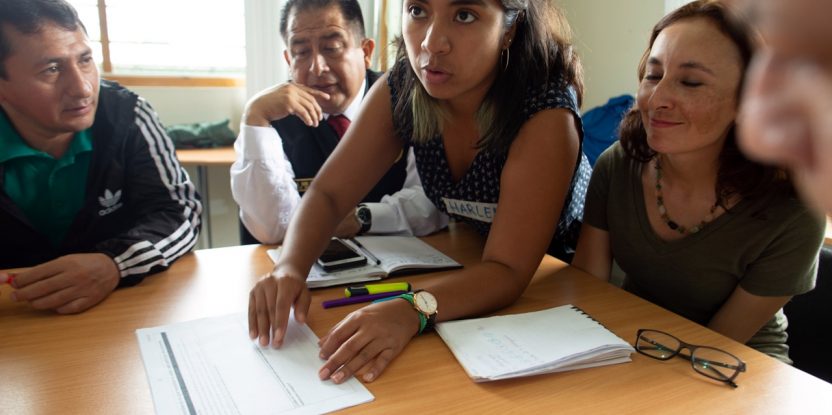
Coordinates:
476 290
313 224
743 314
593 254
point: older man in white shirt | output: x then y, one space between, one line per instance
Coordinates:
289 130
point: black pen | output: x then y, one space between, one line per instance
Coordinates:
366 251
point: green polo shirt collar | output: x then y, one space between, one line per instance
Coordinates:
14 147
12 144
49 191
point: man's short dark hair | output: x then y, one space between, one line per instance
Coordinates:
350 10
28 17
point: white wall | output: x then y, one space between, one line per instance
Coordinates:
670 5
265 65
611 36
177 105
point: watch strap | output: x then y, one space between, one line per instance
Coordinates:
430 320
430 323
423 319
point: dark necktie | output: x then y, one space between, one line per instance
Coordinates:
339 123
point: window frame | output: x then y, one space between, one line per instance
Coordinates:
153 80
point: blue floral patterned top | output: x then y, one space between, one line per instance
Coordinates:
473 199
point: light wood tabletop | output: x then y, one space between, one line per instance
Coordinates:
90 363
222 156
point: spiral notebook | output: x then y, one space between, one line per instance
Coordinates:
553 340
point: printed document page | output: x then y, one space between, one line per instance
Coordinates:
210 366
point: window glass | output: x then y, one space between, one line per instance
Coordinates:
170 37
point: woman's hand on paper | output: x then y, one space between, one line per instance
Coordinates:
269 305
367 340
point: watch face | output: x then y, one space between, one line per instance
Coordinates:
363 214
425 302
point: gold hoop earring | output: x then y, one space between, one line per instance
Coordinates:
507 53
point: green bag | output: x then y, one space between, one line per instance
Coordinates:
201 135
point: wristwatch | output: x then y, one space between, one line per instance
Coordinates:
425 303
364 217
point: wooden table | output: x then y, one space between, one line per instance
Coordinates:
90 363
220 156
201 158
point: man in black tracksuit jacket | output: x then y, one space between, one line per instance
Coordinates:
139 211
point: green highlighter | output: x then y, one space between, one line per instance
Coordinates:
368 289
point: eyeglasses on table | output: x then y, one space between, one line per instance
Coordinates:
707 361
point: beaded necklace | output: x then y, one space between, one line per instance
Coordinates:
663 210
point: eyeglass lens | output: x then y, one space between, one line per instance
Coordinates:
708 361
657 344
715 363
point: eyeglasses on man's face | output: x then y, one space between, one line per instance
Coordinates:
708 361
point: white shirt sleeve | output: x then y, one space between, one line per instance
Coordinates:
408 211
262 183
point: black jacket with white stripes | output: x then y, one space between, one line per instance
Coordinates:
140 208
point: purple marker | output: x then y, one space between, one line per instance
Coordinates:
359 299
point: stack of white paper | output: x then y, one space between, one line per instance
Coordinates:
210 366
553 340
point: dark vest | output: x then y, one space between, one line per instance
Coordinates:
308 148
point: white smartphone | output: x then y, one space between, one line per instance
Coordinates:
340 255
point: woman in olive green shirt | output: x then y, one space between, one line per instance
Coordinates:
696 227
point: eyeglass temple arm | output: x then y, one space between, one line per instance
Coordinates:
714 363
709 364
